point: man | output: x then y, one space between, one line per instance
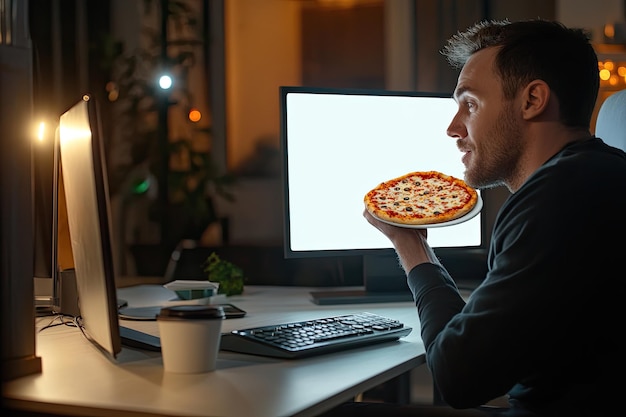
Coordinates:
543 326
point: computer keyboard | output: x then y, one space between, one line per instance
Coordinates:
314 337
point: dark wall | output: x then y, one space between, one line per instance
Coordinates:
69 43
437 20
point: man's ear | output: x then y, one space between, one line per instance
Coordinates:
535 99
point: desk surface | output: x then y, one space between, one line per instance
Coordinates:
77 379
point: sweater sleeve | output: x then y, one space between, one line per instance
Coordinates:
436 297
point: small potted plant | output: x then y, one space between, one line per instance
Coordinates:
229 276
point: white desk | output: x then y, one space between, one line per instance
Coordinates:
77 379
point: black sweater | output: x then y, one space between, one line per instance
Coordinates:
544 325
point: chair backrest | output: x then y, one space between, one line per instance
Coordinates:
611 121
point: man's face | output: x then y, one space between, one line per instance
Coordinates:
486 126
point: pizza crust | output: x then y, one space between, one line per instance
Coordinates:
421 198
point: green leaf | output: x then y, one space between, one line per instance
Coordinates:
230 277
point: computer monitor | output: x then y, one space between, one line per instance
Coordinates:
84 176
336 145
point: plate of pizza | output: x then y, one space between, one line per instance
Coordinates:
423 199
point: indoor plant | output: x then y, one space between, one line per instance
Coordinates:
167 156
229 276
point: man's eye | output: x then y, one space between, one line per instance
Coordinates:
471 107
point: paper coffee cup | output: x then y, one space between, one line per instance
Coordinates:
190 337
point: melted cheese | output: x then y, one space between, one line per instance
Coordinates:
416 197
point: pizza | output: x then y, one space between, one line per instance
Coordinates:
421 198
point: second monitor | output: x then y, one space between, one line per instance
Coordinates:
337 144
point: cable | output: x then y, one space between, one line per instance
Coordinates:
62 322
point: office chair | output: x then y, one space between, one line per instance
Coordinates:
611 121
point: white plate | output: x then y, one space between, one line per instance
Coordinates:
470 215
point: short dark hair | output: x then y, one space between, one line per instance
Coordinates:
537 49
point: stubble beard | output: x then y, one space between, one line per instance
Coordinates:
494 161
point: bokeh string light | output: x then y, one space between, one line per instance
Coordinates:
612 73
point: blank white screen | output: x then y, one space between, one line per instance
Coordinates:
339 146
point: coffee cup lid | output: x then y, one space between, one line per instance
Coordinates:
191 312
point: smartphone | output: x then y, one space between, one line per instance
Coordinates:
232 311
150 313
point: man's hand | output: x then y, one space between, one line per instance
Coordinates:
410 244
392 231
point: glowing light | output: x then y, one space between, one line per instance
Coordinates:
195 115
165 82
142 186
112 90
69 134
41 131
612 74
605 74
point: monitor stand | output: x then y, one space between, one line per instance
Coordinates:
385 282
